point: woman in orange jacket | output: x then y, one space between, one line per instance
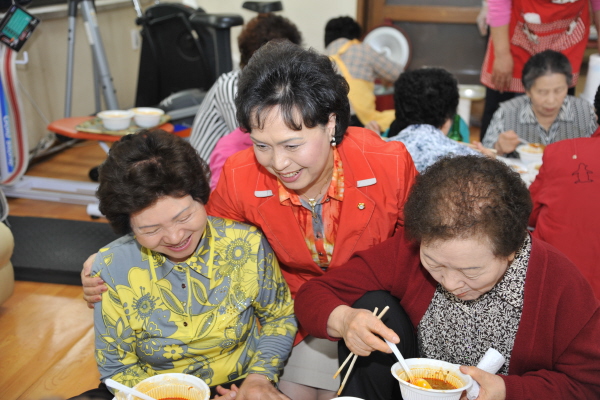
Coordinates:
319 190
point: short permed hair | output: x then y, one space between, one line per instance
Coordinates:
142 168
545 63
425 96
341 27
263 28
302 83
469 197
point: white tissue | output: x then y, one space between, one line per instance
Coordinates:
491 362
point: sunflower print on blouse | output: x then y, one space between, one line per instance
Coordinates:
199 317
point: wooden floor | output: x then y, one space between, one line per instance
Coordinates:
46 330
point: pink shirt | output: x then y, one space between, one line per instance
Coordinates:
499 11
226 146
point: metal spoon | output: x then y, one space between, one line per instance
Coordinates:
420 382
116 385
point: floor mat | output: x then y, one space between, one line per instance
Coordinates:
53 250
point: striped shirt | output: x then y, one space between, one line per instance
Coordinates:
216 116
575 119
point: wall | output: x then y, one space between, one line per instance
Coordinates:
309 15
43 79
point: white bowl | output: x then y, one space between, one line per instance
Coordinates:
147 117
530 154
115 120
173 385
424 368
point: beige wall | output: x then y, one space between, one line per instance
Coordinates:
309 15
44 77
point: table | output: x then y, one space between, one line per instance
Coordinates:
67 127
527 172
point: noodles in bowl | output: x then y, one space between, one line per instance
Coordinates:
445 378
173 386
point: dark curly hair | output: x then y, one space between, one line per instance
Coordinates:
341 27
545 63
424 96
302 83
469 196
263 28
145 166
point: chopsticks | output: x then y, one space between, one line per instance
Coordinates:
355 356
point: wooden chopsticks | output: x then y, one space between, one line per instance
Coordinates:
355 356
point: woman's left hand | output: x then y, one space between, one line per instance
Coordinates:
492 386
255 387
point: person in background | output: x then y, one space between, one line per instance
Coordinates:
565 196
521 28
187 293
426 100
319 190
225 147
216 116
360 65
467 275
546 114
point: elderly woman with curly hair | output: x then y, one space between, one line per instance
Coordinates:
468 276
426 100
186 292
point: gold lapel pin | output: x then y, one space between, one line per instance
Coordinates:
361 206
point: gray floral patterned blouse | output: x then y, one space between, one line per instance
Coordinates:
460 331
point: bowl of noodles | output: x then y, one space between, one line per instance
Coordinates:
172 386
446 380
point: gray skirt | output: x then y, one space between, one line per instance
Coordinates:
312 363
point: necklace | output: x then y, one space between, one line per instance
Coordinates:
313 202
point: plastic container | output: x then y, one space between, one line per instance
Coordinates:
115 120
173 385
530 154
147 117
428 368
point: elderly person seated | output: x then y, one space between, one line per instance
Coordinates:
565 197
470 278
187 292
426 100
546 114
360 65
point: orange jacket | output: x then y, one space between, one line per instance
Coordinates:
377 174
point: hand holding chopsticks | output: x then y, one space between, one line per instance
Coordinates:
354 356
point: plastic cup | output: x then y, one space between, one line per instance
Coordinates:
175 385
428 368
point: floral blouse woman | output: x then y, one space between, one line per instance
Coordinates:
186 292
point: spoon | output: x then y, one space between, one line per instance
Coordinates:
116 385
420 382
